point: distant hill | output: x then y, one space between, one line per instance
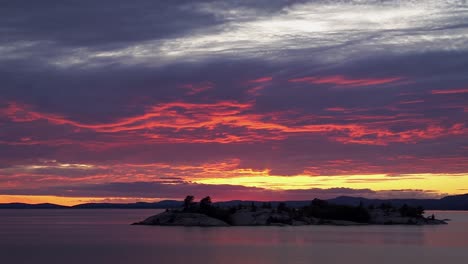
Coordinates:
140 205
31 206
454 202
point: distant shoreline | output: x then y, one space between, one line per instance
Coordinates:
448 203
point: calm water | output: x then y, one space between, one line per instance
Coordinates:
105 236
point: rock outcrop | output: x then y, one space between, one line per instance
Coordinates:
254 216
246 217
176 218
379 217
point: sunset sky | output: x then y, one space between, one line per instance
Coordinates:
124 101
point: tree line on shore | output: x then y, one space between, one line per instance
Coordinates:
317 208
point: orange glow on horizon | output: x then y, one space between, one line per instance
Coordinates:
433 184
70 201
252 181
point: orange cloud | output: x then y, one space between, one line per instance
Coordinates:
52 177
231 121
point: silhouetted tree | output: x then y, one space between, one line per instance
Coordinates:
386 207
410 211
282 207
319 209
403 210
419 210
319 203
323 210
232 209
253 207
188 201
205 203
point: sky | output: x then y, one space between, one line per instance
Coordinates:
123 101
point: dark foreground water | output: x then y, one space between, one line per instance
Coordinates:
105 236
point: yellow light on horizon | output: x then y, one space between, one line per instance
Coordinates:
436 184
440 183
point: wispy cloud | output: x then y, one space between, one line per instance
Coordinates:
450 91
344 81
330 32
230 121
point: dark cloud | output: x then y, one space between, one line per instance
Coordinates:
223 192
103 23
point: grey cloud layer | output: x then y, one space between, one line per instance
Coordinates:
87 34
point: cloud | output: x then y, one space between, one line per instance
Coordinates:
167 92
450 91
151 190
261 80
48 177
344 81
197 87
227 122
208 30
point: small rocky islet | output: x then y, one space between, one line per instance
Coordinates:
319 212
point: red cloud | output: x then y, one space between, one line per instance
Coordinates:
344 81
261 80
259 83
336 109
230 122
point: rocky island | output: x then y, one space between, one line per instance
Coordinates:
319 212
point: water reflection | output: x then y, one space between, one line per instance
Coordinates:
105 236
297 236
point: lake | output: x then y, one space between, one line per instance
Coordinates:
106 236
